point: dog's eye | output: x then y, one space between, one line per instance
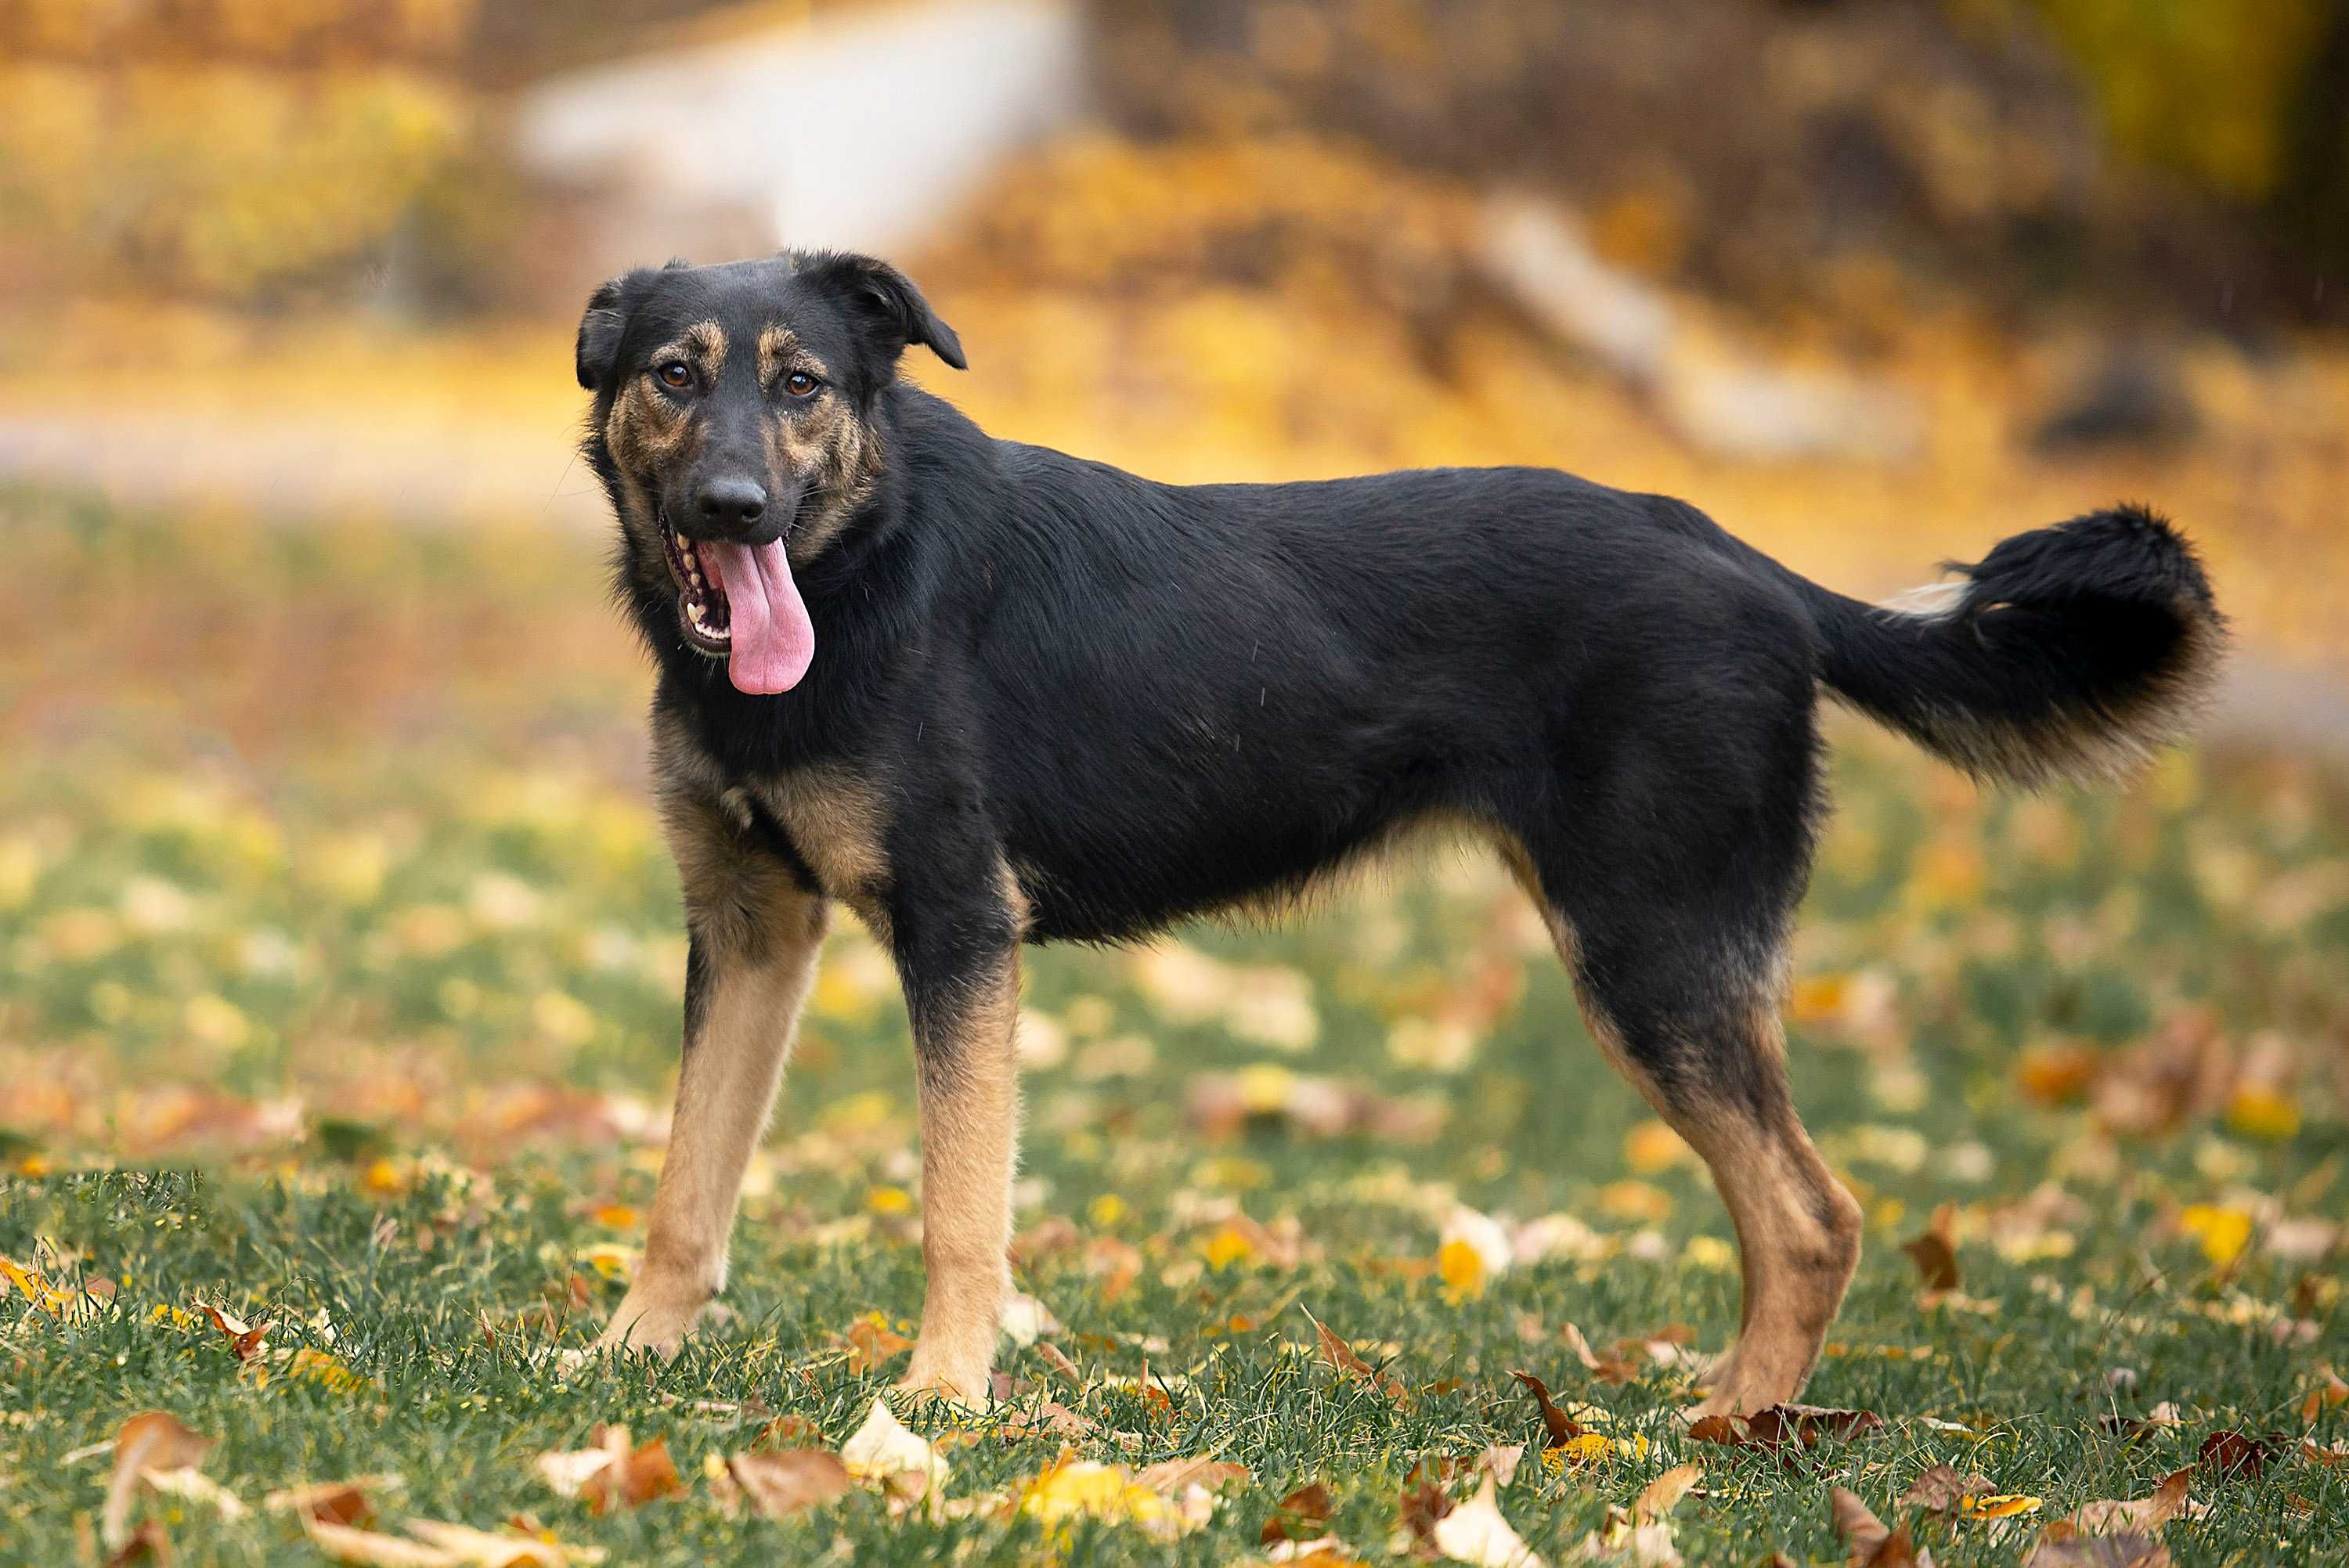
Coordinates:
800 384
675 374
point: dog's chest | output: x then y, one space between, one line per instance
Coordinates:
834 822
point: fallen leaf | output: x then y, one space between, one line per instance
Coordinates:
368 1549
1867 1540
1303 1513
614 1471
873 1343
2150 1512
1200 1470
1934 1255
1475 1532
1027 1320
2130 1549
1559 1427
147 1543
1807 1424
1342 1356
244 1339
1998 1505
1657 1498
1940 1489
2237 1454
1499 1460
1074 1488
883 1449
778 1484
334 1501
151 1440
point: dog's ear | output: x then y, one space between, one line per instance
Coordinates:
886 301
606 319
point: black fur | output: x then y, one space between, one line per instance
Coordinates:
1152 701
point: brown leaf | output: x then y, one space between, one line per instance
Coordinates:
1423 1501
147 1543
1052 1356
1304 1514
1935 1257
1657 1498
1342 1356
334 1501
366 1549
2130 1549
1050 1420
613 1471
780 1484
1559 1429
873 1343
790 1430
2150 1513
244 1339
1807 1424
1940 1489
1728 1431
1865 1538
1199 1470
151 1440
2229 1455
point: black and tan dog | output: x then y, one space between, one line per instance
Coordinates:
985 694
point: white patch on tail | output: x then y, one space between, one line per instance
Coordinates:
1929 602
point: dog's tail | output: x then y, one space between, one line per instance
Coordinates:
2069 652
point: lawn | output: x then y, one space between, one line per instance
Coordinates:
339 964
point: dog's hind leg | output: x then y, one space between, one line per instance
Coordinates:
1667 861
754 936
1697 1035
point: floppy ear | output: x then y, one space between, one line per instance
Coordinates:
601 329
889 303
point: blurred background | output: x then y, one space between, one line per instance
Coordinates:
320 746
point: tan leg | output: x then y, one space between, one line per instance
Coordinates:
755 942
1797 1227
970 1131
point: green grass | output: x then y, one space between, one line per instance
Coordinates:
365 1045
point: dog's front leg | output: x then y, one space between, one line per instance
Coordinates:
745 980
963 1009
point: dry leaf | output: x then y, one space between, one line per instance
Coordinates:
1302 1514
333 1501
1657 1498
613 1470
244 1339
1500 1461
1342 1356
2232 1455
1866 1539
1200 1469
1559 1429
2148 1513
883 1449
1940 1489
1475 1532
873 1343
2130 1549
1934 1255
150 1441
783 1483
367 1549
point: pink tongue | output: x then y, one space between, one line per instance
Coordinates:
773 639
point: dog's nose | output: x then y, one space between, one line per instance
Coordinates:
731 503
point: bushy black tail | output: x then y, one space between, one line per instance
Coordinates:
2069 652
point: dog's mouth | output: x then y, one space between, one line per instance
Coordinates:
737 602
703 611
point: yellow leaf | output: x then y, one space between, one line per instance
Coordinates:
1462 1269
2257 1112
2222 1232
1998 1505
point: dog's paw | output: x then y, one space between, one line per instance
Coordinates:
965 1384
652 1317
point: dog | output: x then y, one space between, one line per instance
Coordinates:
985 693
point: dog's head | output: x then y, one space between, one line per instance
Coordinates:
737 410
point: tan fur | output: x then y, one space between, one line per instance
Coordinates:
836 820
759 937
703 343
778 348
970 1141
1797 1228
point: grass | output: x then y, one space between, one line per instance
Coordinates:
371 1040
